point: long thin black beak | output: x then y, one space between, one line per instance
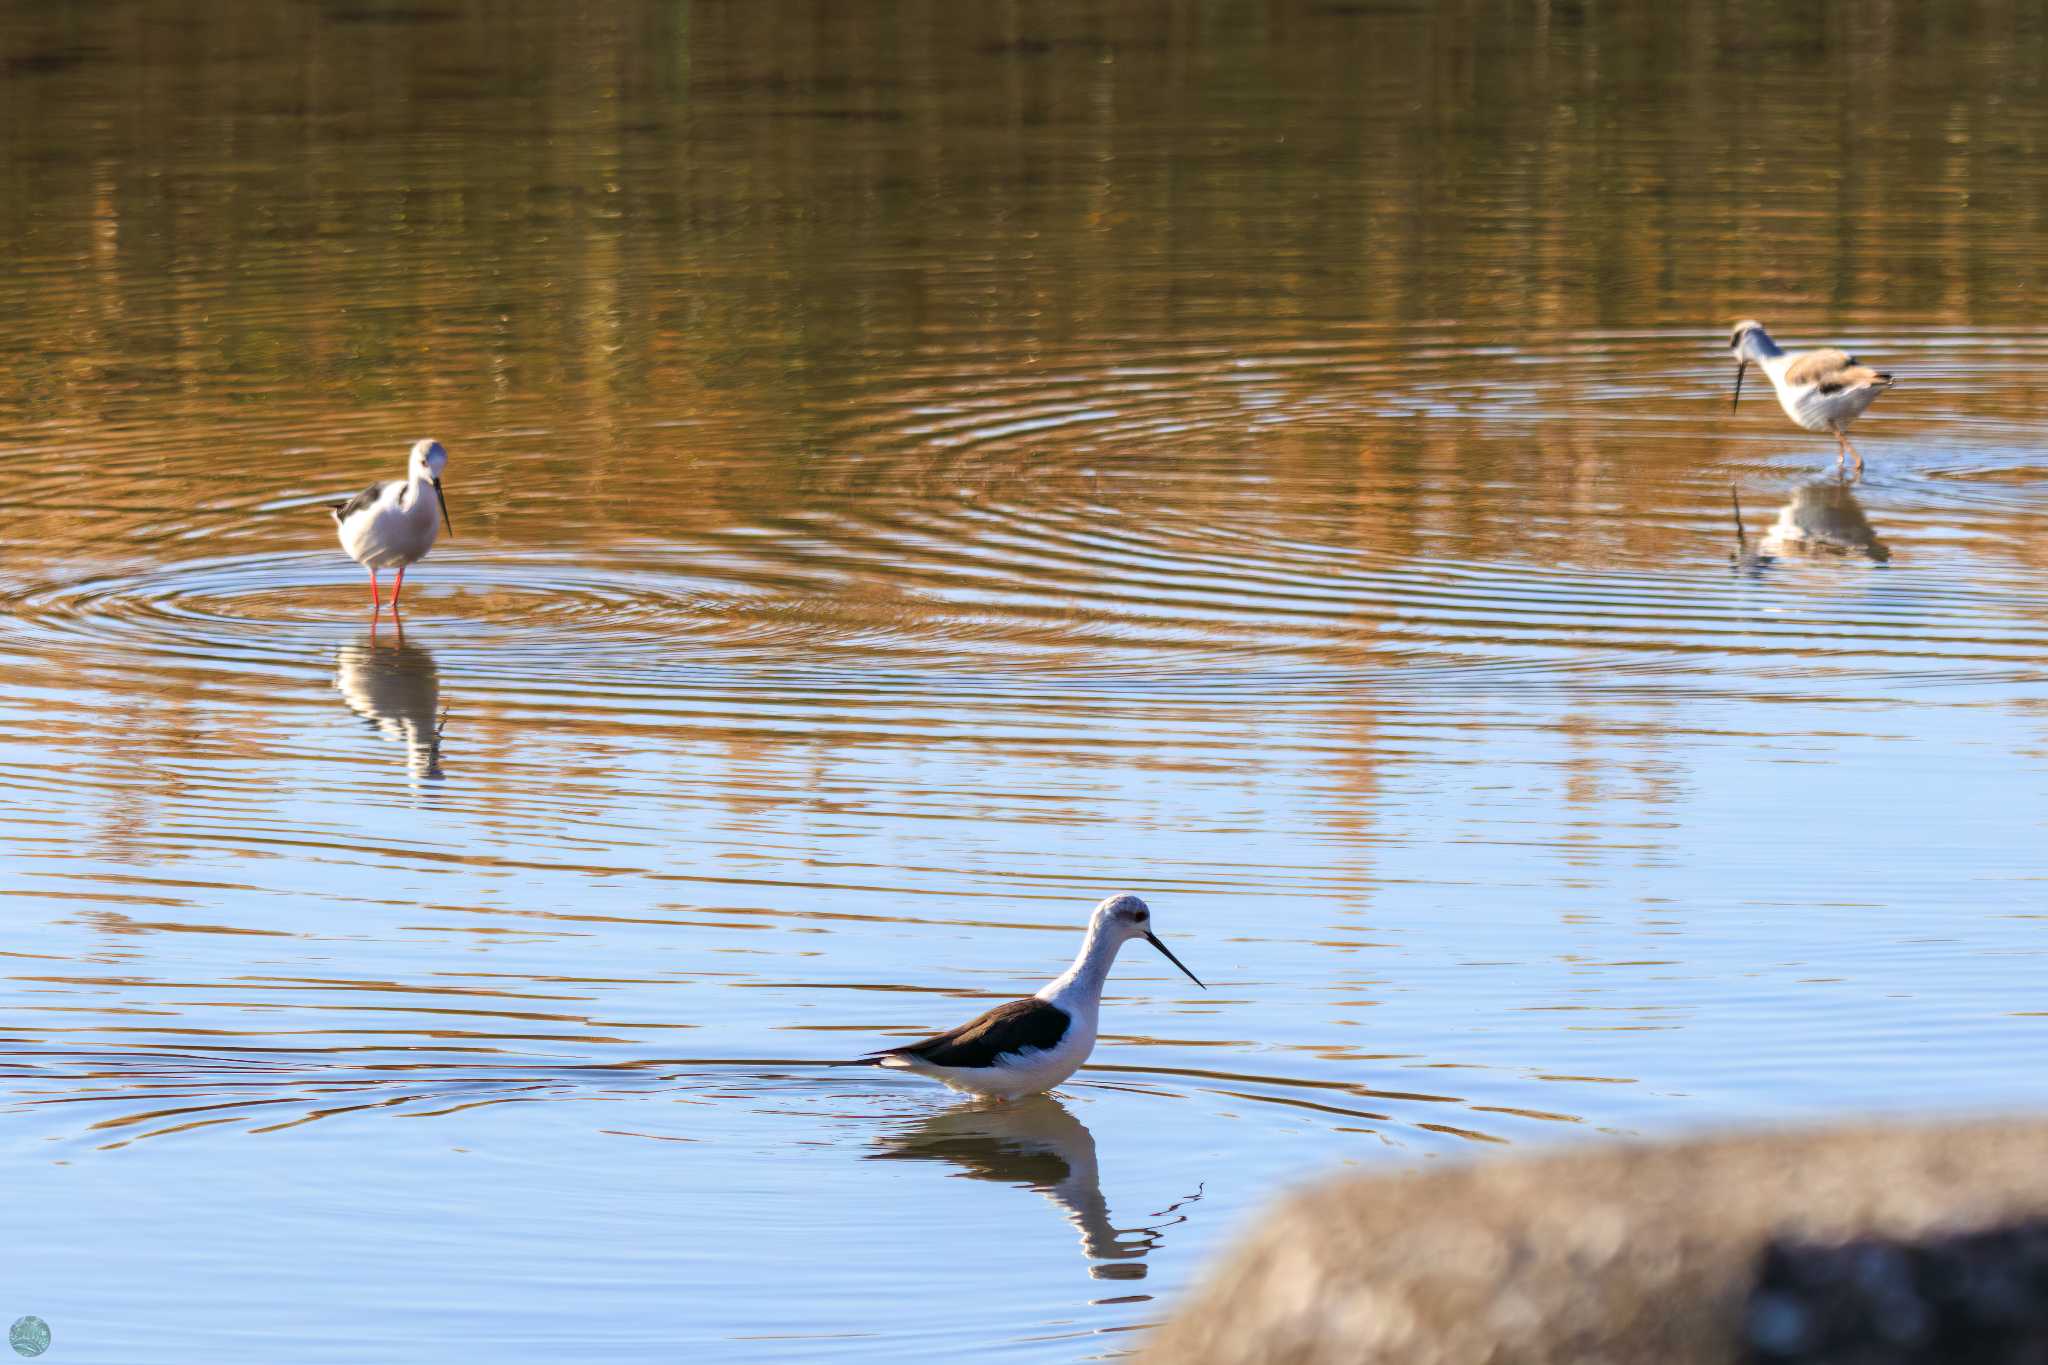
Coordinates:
1740 366
1153 940
442 498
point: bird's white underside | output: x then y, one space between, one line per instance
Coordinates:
1807 406
395 530
1015 1074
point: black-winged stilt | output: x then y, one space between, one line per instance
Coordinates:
394 524
1023 1047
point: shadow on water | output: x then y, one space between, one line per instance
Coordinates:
1037 1144
395 686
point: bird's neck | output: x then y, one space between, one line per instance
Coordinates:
418 487
1091 968
1757 345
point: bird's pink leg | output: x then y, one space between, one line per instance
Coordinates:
1844 447
396 589
376 601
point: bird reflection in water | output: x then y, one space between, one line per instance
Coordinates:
1824 517
1749 556
1037 1144
397 689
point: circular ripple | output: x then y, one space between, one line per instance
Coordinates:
1368 507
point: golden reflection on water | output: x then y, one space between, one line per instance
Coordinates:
926 467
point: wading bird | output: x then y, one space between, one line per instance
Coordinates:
1026 1046
1819 390
392 525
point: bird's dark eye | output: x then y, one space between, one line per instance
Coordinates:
1142 915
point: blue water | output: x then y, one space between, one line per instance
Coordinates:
915 475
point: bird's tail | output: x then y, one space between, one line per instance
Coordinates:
1883 380
875 1060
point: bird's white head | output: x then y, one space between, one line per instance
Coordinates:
1749 341
1122 918
428 460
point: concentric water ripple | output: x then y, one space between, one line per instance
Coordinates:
1036 601
916 470
115 1098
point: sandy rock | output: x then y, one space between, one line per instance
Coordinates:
1612 1254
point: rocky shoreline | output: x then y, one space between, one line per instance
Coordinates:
1875 1243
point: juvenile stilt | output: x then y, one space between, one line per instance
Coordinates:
1822 390
393 525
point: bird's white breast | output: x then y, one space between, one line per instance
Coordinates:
1032 1073
392 531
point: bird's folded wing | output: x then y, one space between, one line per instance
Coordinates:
1818 367
1010 1027
344 510
1855 377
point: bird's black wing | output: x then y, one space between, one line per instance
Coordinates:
344 510
1010 1027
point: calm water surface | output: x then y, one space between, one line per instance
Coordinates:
917 469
